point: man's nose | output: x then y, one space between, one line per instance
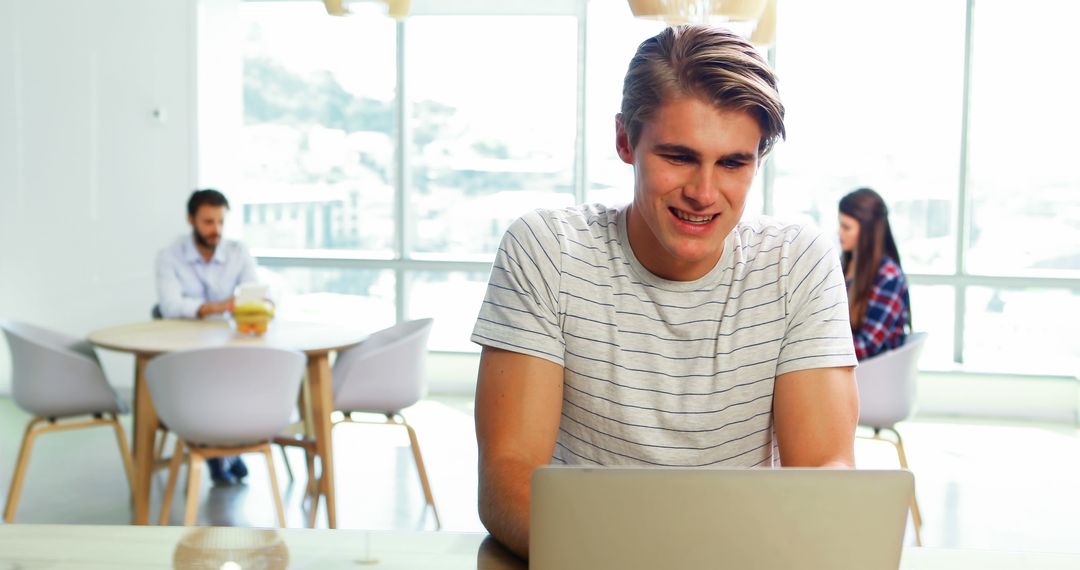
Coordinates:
704 189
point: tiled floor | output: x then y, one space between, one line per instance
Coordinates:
980 485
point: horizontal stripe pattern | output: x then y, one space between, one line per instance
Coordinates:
661 372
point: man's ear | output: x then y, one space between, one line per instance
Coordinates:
622 141
191 221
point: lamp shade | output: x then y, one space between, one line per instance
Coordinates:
398 8
335 8
739 10
765 32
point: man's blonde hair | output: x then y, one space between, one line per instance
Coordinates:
702 61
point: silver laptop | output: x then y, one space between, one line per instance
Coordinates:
626 518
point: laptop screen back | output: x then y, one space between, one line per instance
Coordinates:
627 518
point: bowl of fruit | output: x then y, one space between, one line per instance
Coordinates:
252 311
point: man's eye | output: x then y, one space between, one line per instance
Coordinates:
678 158
732 164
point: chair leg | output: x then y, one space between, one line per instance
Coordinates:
309 460
278 506
160 447
285 460
170 487
20 470
916 517
125 452
313 511
195 463
423 473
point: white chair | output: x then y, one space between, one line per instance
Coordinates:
57 377
887 397
383 375
222 402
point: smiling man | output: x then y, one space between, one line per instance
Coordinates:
666 332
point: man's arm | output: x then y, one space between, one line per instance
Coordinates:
518 407
171 300
816 411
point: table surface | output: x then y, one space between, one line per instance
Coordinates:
119 547
167 335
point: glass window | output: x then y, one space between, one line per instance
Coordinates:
316 152
453 299
360 298
933 311
613 36
1024 119
869 106
493 124
1024 331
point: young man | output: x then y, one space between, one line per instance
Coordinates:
666 332
196 276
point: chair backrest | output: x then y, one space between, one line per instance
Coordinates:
386 372
55 375
226 396
887 383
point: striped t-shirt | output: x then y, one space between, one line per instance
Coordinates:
658 372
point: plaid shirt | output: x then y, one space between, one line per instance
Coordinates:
887 313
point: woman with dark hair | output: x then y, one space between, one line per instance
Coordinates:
878 302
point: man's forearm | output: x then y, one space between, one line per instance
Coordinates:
504 503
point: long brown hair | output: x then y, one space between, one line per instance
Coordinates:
875 242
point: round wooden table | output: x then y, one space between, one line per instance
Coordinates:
148 339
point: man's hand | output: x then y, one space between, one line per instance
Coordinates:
518 408
207 309
816 412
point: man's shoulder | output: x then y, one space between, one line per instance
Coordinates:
579 216
573 224
232 245
766 234
176 248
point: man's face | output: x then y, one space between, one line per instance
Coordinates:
693 166
207 224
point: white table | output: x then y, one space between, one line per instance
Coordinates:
120 547
149 339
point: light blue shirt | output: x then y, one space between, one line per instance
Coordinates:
185 280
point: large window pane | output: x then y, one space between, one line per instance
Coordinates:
453 299
1024 179
1028 331
933 311
873 92
613 36
359 298
316 152
493 123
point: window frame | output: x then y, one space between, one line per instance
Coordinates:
402 262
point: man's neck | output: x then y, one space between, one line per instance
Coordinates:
207 253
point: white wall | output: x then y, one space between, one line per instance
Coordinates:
91 183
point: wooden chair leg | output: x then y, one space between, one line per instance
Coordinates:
423 472
125 452
313 512
20 470
159 449
916 517
278 506
285 460
195 463
309 460
170 487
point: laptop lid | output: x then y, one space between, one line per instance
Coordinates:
624 518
